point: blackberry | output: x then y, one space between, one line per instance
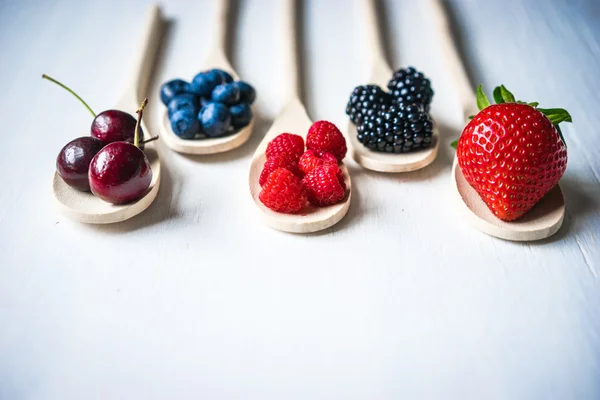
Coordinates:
410 86
366 101
400 128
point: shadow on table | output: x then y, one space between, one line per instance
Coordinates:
579 206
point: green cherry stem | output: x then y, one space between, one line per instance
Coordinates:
70 91
140 111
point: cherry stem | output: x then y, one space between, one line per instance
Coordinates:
140 111
70 91
152 139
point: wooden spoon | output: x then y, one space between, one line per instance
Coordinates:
293 119
381 73
546 217
84 206
216 59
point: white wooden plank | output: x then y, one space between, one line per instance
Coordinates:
197 298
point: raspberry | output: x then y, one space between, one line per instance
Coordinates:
312 159
283 192
325 185
279 161
325 136
286 143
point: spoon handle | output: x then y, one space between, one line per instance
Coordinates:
220 27
452 58
372 32
144 60
290 50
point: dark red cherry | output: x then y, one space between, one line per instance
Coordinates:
120 173
115 126
73 161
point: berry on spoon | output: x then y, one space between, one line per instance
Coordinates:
114 126
512 153
173 88
247 92
185 124
185 101
215 119
227 93
73 161
241 115
120 172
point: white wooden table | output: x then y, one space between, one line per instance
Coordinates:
196 299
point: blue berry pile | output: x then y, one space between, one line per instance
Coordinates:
210 106
396 121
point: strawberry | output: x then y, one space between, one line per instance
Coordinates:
283 192
325 185
286 143
312 159
325 136
512 153
279 161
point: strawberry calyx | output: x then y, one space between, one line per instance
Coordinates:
503 96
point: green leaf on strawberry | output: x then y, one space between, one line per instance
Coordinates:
482 100
498 95
503 96
507 95
556 115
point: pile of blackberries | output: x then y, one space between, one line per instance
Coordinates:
396 121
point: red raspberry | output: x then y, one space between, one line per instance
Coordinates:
325 136
312 159
283 192
279 161
286 143
325 185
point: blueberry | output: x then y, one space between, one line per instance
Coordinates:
185 124
225 77
204 83
241 115
247 92
172 88
185 101
227 93
215 119
204 101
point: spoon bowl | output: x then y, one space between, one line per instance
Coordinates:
84 206
87 208
216 59
542 221
294 119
